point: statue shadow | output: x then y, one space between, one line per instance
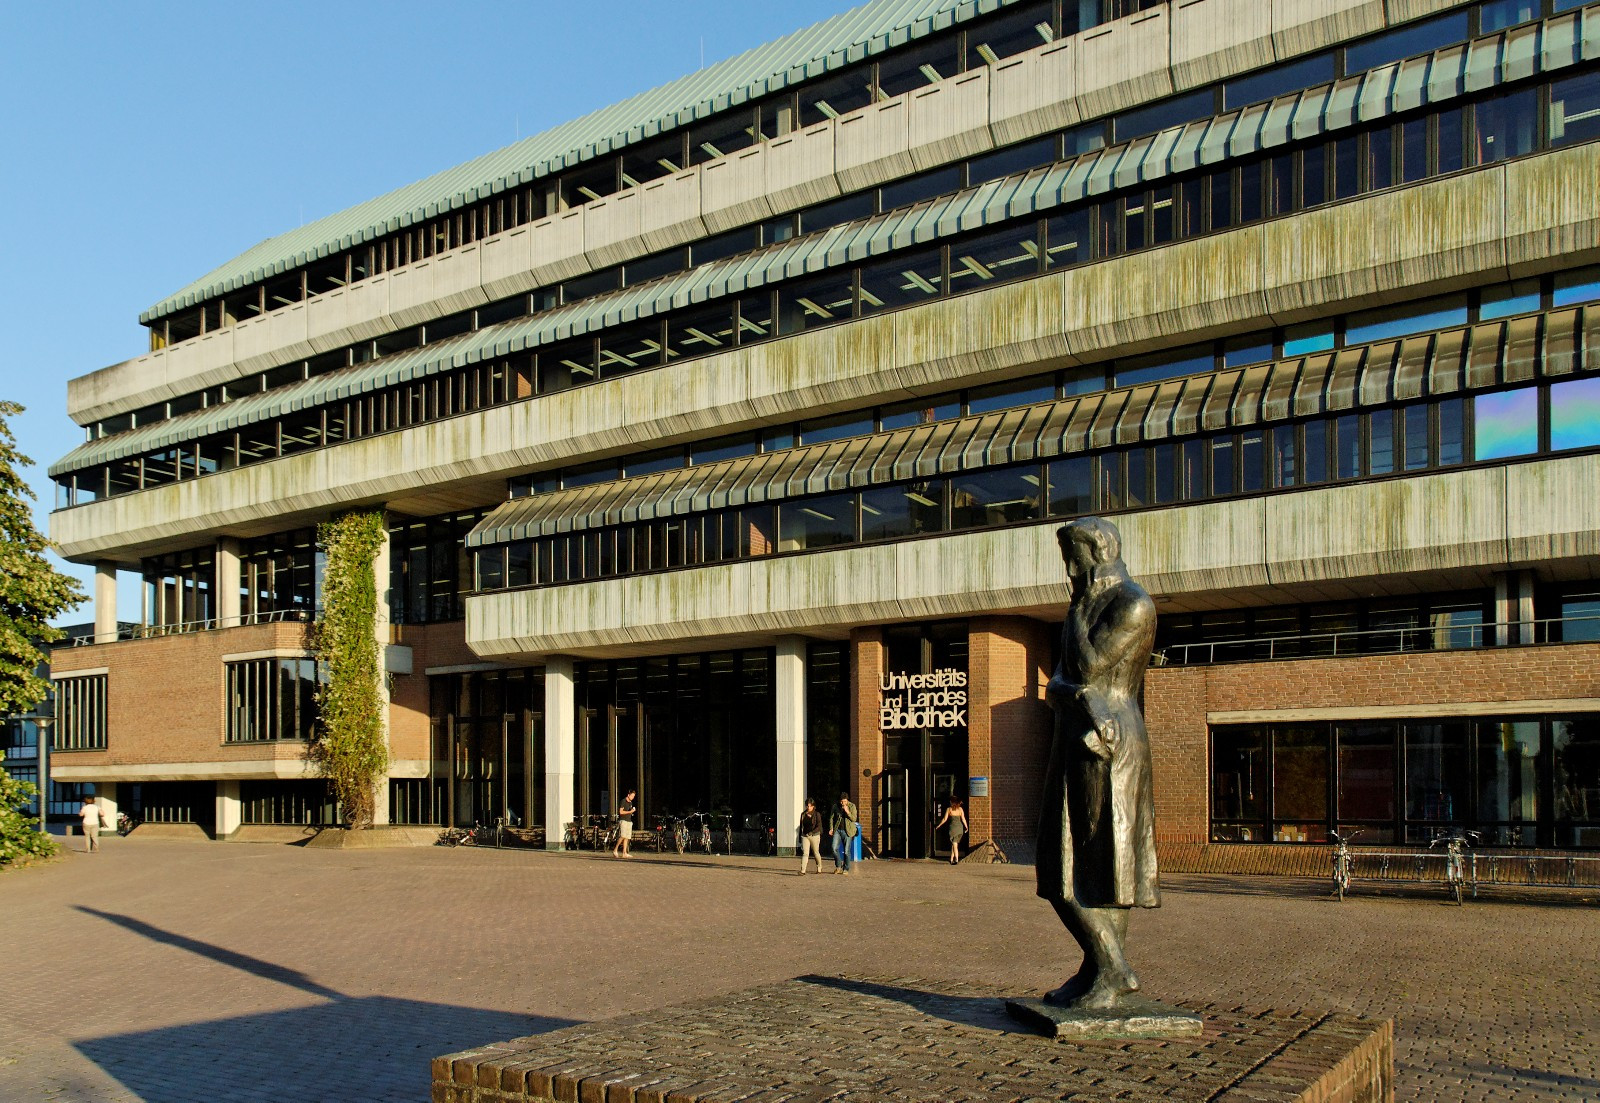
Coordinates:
338 1047
983 1012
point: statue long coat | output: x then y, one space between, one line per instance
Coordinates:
1097 825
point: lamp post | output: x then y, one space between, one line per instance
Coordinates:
43 723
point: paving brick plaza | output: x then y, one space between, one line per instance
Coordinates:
167 971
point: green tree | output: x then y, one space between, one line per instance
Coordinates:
32 592
350 750
19 837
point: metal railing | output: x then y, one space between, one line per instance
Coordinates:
1505 870
1381 641
153 631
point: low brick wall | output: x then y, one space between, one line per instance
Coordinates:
855 1039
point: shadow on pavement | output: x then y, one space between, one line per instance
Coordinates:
984 1012
1305 888
347 1047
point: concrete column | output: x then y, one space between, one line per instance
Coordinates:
230 813
1513 608
105 795
227 583
1524 607
380 626
105 603
560 750
790 682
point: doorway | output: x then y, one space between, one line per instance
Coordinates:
611 747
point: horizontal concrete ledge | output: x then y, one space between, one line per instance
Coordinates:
283 769
1403 712
1411 241
1426 525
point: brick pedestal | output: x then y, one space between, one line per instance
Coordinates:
857 1039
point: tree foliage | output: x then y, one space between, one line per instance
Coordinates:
349 749
32 592
20 838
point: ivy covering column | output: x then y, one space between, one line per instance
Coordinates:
350 749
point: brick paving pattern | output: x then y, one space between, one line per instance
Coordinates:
168 971
907 1039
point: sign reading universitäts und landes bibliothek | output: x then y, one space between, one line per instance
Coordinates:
937 700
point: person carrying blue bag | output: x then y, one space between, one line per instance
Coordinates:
845 825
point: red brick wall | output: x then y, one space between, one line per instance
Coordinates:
1178 699
866 741
165 697
1009 724
431 645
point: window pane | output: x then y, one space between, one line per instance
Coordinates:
1518 297
1506 126
914 189
1452 431
1347 446
1508 779
1004 396
1068 239
1239 780
1305 339
1505 424
921 411
835 428
695 333
817 522
1015 159
1270 83
1416 430
1576 743
1300 783
630 349
1380 442
1575 414
1580 286
1575 109
983 498
755 317
1407 41
1164 365
1366 772
1398 321
888 512
1071 486
1173 111
814 302
1222 466
1438 775
1008 34
1006 253
901 280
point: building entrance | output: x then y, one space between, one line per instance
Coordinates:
923 721
488 762
611 745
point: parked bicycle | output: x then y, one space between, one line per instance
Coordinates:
696 832
1456 843
126 823
766 829
1343 862
453 836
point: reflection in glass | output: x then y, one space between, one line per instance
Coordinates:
1575 742
1438 775
1299 783
1239 783
1506 424
1366 772
889 512
1575 414
983 498
1508 779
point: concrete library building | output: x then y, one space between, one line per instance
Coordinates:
722 436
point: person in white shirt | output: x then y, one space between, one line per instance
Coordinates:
90 814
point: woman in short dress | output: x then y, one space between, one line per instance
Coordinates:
956 817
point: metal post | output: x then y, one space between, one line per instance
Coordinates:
43 724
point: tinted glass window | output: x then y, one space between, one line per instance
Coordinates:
1407 41
1505 424
1269 83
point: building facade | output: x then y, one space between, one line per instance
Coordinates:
723 435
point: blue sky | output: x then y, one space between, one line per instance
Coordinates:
145 143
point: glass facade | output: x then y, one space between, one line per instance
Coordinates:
1519 781
488 751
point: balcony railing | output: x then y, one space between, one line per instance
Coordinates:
151 631
1381 641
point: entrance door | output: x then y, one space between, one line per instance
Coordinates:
610 754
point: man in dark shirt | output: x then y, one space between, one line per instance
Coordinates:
624 826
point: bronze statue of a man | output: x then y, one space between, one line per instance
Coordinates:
1097 853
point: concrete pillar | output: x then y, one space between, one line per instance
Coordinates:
560 750
1513 608
230 813
105 603
380 626
105 795
790 682
227 583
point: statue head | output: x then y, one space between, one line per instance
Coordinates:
1089 546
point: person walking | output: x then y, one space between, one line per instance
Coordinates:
956 817
90 815
625 816
845 825
810 836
